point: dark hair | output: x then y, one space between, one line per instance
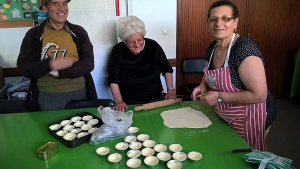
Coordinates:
235 11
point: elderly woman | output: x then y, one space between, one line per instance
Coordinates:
135 66
234 80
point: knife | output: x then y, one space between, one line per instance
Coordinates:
235 151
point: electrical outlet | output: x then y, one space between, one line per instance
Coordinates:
165 31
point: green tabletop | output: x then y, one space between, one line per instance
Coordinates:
21 134
218 137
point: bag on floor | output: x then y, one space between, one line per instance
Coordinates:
18 89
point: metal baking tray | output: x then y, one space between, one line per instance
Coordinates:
77 141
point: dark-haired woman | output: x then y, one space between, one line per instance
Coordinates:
234 81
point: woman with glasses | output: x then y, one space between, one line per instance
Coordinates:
135 66
234 80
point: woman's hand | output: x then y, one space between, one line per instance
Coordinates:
170 95
209 98
201 89
120 106
196 92
170 89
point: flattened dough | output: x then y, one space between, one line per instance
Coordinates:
185 118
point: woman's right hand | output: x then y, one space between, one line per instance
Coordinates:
199 90
120 106
196 92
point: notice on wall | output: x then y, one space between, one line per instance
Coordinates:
12 10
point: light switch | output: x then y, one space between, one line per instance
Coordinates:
165 31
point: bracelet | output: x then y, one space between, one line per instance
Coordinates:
170 88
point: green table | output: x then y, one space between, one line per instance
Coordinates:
21 134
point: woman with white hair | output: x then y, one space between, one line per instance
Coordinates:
135 66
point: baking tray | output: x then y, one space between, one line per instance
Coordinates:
77 141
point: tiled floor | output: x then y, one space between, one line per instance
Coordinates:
284 136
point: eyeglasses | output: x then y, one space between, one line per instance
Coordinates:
138 41
223 19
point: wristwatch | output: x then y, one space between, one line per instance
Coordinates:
170 88
220 97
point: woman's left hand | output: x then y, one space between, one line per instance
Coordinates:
170 95
209 98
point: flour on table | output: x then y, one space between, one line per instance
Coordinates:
185 118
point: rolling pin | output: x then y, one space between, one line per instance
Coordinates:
157 104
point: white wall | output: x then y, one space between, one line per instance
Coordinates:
98 18
158 15
10 40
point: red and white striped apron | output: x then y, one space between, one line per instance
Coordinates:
247 120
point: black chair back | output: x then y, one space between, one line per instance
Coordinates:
193 65
78 104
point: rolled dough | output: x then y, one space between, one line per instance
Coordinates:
185 118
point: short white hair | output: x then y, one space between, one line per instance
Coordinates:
130 25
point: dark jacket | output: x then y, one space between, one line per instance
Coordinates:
30 65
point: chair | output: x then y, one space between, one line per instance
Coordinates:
78 104
191 66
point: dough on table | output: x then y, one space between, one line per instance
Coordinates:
185 118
